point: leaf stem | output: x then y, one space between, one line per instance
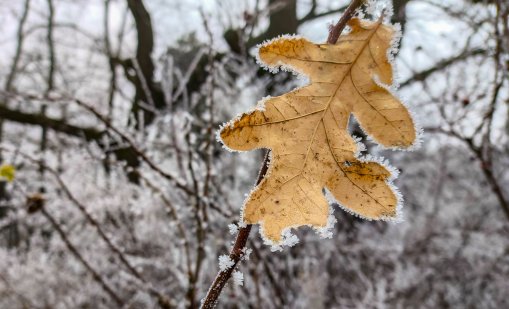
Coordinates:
336 30
236 253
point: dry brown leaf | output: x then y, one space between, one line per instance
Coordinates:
306 130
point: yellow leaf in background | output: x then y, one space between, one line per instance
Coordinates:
8 172
307 131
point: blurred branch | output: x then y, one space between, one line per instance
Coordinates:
485 164
62 126
200 219
139 153
147 90
175 216
58 125
131 153
282 19
19 47
278 290
163 300
399 7
145 37
25 302
112 87
312 14
421 76
12 75
51 48
36 203
236 254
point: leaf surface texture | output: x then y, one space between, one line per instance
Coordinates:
306 129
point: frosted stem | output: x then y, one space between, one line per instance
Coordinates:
236 253
336 30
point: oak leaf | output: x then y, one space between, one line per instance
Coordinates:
306 130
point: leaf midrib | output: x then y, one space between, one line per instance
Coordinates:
366 43
320 121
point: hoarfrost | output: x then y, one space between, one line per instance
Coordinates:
327 230
233 228
246 253
238 278
225 262
288 240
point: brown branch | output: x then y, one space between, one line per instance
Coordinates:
340 26
62 126
58 125
236 253
147 89
51 47
487 169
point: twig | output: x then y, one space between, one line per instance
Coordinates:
335 31
132 144
278 291
237 251
36 203
201 225
25 302
163 301
19 47
51 48
312 15
175 216
486 166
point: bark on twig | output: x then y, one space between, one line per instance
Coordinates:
336 30
236 253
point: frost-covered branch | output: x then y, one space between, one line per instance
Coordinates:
36 203
236 254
